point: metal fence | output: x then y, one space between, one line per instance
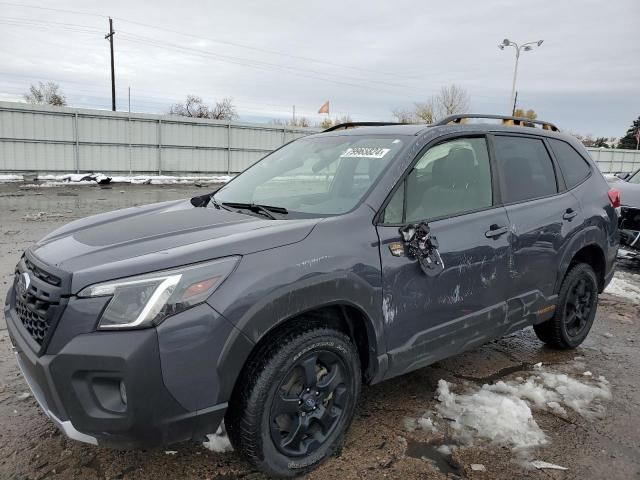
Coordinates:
37 138
616 160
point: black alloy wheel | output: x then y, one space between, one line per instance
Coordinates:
309 403
575 309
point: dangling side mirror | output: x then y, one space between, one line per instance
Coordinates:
422 246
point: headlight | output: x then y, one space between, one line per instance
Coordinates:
146 300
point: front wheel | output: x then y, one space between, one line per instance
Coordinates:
575 309
295 401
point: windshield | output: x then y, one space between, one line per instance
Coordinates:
314 176
635 178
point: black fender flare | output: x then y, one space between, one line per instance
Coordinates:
283 304
589 236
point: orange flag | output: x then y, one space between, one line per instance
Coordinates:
324 108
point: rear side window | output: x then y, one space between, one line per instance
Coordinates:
574 168
526 170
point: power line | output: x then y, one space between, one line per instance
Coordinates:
222 42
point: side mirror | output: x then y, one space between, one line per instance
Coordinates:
422 246
623 175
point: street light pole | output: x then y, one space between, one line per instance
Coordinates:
512 103
519 48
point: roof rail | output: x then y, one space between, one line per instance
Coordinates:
506 120
344 126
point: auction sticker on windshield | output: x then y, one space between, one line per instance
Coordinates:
365 152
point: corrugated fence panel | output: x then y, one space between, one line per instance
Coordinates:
143 132
31 126
93 158
194 135
193 160
102 129
59 139
615 160
242 160
36 156
256 139
292 135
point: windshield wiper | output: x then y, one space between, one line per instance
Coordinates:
219 205
255 207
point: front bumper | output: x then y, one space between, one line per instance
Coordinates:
78 385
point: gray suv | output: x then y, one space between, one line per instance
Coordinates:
346 257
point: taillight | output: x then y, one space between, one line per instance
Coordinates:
614 197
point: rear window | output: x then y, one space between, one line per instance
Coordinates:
574 168
526 170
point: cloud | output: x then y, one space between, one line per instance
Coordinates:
366 57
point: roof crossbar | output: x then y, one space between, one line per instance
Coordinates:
344 126
506 120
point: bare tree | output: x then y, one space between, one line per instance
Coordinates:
300 122
193 107
327 122
530 114
452 99
224 110
403 116
425 112
46 94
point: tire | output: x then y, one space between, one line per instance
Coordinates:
575 309
304 381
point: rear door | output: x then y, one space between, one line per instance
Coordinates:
434 312
543 216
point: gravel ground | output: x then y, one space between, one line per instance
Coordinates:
379 444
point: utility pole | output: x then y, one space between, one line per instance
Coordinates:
113 73
294 115
515 102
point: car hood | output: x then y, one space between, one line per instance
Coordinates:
629 193
159 236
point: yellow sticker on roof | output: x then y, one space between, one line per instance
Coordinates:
365 152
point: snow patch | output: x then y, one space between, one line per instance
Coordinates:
423 423
219 441
96 178
500 418
501 413
626 285
11 178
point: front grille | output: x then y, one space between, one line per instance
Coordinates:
39 300
41 274
33 315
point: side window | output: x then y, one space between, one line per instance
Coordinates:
574 168
526 170
451 178
393 212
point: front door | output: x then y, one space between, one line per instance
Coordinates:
454 297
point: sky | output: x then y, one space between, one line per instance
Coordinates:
367 58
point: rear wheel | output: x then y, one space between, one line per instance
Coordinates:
575 309
297 399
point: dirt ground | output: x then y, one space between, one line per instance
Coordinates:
378 444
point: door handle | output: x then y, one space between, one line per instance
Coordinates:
495 231
569 214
